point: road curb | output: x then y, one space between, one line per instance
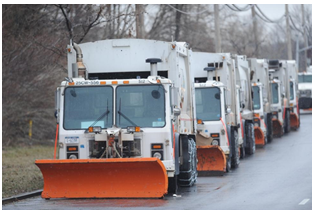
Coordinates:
21 196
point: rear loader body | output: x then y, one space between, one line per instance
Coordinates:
219 137
125 132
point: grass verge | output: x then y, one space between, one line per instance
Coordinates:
19 172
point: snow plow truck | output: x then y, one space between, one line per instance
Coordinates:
126 121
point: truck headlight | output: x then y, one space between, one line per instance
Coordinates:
215 142
72 157
157 155
132 129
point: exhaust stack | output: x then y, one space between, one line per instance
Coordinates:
209 70
81 68
153 62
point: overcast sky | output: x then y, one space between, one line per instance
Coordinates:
272 11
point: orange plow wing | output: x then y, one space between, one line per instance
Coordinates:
277 128
211 160
259 136
104 178
294 121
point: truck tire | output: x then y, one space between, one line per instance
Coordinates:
188 168
235 161
269 128
250 138
287 121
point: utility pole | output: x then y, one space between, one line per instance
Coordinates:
288 32
297 50
217 29
139 21
255 32
304 32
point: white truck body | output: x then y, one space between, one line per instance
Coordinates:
261 95
115 64
305 89
223 81
243 79
280 93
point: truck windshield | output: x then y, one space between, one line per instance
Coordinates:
142 106
305 78
256 98
275 97
85 106
208 105
291 91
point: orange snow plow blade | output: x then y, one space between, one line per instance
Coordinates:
211 160
104 178
259 136
294 121
277 128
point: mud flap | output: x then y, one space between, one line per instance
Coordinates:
211 160
104 178
277 128
294 121
259 136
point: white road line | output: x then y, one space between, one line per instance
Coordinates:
303 202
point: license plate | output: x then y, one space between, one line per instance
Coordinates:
72 140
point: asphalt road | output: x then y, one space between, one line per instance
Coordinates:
278 176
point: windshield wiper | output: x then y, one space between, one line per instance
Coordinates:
122 114
99 118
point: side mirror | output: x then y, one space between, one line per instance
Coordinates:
176 111
68 79
174 96
228 110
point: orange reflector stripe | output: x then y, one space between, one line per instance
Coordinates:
126 82
72 148
215 135
103 82
114 82
71 83
157 147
